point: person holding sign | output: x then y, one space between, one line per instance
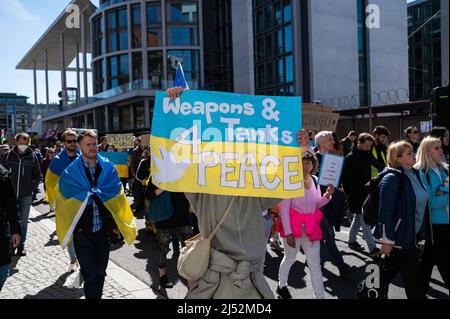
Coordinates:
357 173
300 227
237 249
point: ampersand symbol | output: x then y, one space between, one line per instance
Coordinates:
268 112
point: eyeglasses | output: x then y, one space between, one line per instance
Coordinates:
70 141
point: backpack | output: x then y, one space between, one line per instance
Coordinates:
371 205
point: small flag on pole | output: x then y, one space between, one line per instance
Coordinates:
180 80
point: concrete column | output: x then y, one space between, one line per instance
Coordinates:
84 51
47 100
78 73
243 47
164 44
297 54
130 45
202 55
147 112
106 118
63 70
144 42
35 84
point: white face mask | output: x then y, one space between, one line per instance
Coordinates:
22 148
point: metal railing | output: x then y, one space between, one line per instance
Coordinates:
117 91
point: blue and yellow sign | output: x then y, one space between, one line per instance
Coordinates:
227 144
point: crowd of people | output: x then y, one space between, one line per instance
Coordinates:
412 228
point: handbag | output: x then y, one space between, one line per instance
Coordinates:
193 260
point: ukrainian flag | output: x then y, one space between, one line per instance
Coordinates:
74 193
58 164
120 161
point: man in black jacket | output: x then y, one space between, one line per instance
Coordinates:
356 174
25 175
9 223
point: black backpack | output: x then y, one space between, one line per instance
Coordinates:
371 206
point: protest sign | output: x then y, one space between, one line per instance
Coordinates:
227 144
331 170
120 161
121 140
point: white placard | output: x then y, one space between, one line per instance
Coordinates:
331 170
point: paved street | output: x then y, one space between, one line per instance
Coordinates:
133 273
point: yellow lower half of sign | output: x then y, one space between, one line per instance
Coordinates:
122 170
224 168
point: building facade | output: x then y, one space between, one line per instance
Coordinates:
15 113
321 50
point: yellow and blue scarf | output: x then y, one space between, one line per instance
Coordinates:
58 164
74 193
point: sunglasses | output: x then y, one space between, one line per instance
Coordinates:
415 132
70 141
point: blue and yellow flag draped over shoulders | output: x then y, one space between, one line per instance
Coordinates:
74 193
58 164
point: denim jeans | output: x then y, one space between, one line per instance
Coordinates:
92 250
358 222
4 273
24 211
71 251
329 238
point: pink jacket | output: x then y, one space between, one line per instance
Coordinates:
311 222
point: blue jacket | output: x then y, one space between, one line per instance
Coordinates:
437 204
397 210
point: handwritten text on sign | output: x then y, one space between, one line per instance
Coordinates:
228 144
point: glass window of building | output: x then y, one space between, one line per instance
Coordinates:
182 12
139 116
117 30
98 36
273 31
137 66
118 71
154 27
136 23
155 68
183 36
99 77
190 59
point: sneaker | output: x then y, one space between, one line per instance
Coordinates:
376 252
165 282
73 266
356 246
275 244
283 293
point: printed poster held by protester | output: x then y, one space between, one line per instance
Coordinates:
227 144
121 140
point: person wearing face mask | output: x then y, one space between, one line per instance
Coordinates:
25 176
357 173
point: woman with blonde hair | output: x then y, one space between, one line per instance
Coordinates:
402 221
434 174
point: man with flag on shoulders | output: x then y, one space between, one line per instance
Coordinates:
92 210
58 164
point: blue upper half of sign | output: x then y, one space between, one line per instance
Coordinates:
227 117
117 158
